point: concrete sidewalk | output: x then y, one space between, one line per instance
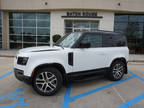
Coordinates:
136 58
12 53
8 53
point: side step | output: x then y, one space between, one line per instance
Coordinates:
85 77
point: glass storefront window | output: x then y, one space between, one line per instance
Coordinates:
29 23
133 27
0 29
28 29
78 25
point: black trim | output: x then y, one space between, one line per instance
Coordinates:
20 76
82 17
129 14
87 74
46 50
70 58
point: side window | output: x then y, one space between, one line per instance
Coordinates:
120 40
95 39
107 40
114 40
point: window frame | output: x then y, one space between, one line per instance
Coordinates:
19 16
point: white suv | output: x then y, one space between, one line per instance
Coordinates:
77 56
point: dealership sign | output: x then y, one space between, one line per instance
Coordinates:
78 14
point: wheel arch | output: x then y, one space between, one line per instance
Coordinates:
55 65
121 59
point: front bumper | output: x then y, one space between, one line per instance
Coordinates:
19 74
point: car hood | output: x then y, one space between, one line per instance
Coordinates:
40 49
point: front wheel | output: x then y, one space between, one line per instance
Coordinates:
117 70
47 81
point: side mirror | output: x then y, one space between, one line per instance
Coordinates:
84 45
56 38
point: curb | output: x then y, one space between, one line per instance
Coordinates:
10 56
136 61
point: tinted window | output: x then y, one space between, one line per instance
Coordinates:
95 39
119 40
113 40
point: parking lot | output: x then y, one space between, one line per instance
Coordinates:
98 93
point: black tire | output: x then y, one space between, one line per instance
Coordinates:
50 85
116 75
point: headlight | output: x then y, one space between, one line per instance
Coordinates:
22 60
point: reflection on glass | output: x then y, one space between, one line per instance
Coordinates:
15 16
25 45
15 30
27 28
29 15
133 27
15 45
45 16
68 23
29 39
16 38
15 23
68 30
78 25
94 25
43 31
29 31
81 24
29 23
44 39
43 23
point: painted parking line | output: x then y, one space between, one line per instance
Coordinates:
68 99
140 78
15 95
7 74
132 102
136 99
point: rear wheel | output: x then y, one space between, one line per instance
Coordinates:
47 81
117 70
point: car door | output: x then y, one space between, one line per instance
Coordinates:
89 54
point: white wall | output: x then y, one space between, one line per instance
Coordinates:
57 22
108 5
107 22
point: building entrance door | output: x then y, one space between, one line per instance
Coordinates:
80 25
80 29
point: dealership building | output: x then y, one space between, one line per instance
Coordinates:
26 23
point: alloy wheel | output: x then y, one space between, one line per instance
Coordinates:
46 82
118 71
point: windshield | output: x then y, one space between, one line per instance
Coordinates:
68 40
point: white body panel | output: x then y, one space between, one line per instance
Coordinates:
95 58
83 59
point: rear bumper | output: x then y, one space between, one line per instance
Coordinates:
19 74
